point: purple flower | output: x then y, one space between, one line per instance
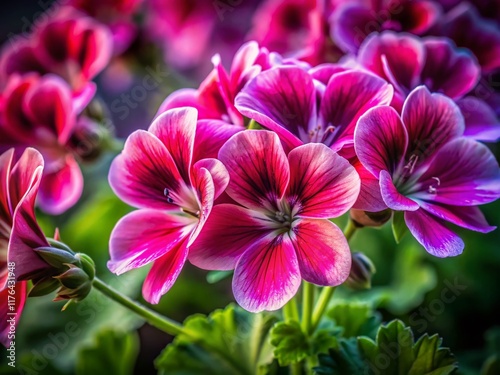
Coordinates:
427 169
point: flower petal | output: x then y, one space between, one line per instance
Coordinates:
218 173
463 173
61 189
433 235
267 276
381 140
258 168
140 174
322 251
229 231
431 120
466 217
176 128
5 325
25 174
481 121
145 235
392 197
322 183
210 136
282 100
349 95
164 273
370 198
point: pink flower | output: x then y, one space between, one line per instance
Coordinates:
353 21
41 112
278 232
72 46
427 169
19 182
214 99
165 174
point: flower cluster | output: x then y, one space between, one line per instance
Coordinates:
378 108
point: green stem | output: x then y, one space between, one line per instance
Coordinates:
291 311
327 292
152 317
296 368
307 306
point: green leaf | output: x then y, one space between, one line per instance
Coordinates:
355 318
229 341
112 353
394 352
216 276
341 360
399 228
292 345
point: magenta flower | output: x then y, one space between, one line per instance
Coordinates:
288 101
72 46
214 99
353 21
278 232
174 189
19 182
428 170
41 112
408 62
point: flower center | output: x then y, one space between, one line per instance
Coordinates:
174 200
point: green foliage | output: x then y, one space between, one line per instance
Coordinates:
394 352
355 319
216 276
399 228
229 341
112 353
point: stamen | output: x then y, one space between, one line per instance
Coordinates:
433 189
411 164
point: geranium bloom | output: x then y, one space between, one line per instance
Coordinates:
353 21
279 232
408 61
160 173
288 101
41 112
214 99
19 181
428 170
70 45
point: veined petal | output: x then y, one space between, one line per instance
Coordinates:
190 98
210 136
267 275
322 183
282 100
203 183
392 197
164 273
20 294
229 231
5 205
176 129
481 121
145 235
322 251
381 140
258 168
462 173
61 189
349 95
370 198
140 174
218 173
433 235
431 120
466 217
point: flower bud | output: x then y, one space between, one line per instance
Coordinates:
362 270
370 219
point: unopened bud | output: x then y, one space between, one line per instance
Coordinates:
362 271
370 219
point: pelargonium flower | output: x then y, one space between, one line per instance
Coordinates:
427 169
214 99
300 109
278 231
163 172
41 112
408 62
70 45
353 21
19 181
